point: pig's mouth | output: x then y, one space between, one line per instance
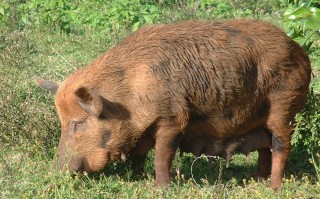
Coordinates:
77 165
90 164
81 168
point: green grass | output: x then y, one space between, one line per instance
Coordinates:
30 129
24 176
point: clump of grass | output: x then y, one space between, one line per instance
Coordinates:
315 161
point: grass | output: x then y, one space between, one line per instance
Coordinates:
30 131
25 176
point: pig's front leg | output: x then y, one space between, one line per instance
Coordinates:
139 153
167 141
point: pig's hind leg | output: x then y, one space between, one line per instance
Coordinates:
264 164
264 154
279 123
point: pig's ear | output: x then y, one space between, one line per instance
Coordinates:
89 101
48 85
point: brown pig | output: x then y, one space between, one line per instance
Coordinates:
204 79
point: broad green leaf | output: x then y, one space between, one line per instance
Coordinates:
315 13
300 13
148 19
126 15
24 20
308 3
5 5
153 9
136 26
132 13
313 23
1 10
289 10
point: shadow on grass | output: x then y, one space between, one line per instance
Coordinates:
204 173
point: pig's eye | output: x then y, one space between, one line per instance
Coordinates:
77 126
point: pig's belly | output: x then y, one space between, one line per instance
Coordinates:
203 139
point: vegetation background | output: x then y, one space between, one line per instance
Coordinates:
53 38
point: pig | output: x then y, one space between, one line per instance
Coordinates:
168 83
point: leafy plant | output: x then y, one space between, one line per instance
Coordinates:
306 18
307 136
4 7
316 163
71 16
134 12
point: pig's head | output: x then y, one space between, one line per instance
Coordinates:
90 124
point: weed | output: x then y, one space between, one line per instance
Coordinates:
306 136
315 161
307 21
